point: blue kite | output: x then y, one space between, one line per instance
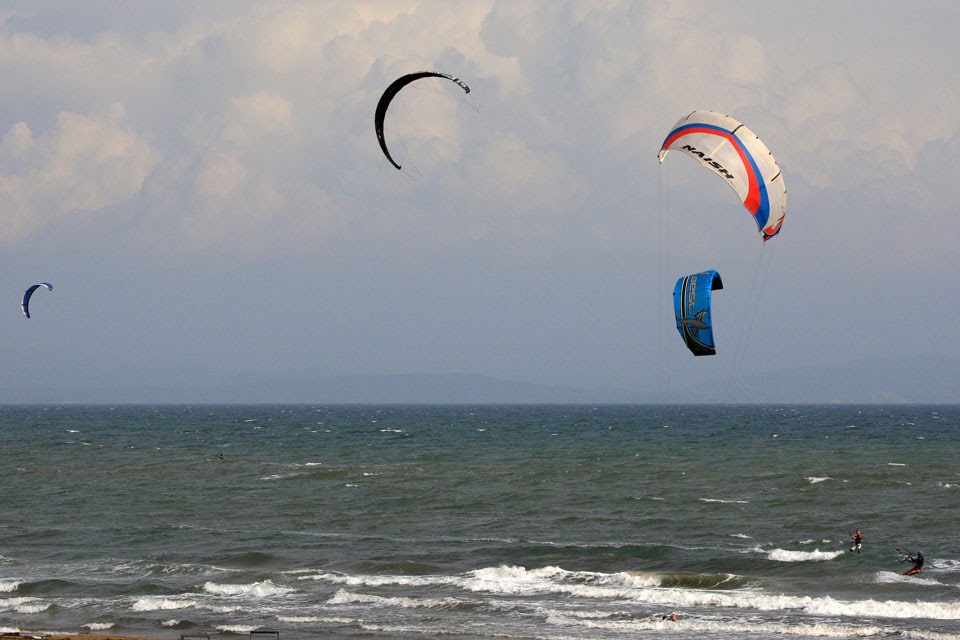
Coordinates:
691 305
25 305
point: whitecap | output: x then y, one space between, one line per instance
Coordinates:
299 619
216 609
6 586
724 501
785 555
816 479
153 604
348 597
239 629
32 608
945 564
693 627
888 577
259 589
509 579
98 626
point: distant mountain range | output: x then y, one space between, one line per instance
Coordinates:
934 380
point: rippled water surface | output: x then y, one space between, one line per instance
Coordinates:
549 522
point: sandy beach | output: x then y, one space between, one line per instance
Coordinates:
61 636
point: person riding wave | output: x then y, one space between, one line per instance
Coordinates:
917 561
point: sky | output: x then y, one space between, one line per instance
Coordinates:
202 184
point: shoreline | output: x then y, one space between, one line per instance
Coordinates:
68 636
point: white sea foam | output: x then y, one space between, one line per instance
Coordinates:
896 464
347 597
218 609
373 581
263 589
239 629
513 580
928 635
299 619
6 586
151 603
691 626
741 535
785 555
170 623
677 598
16 602
887 577
34 606
98 626
945 564
724 501
815 479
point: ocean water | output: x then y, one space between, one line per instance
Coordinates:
513 522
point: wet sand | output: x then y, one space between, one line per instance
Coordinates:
60 636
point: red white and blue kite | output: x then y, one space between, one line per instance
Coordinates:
736 154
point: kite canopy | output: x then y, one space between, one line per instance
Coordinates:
691 305
392 91
736 154
25 305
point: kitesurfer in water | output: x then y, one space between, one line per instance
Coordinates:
857 542
917 561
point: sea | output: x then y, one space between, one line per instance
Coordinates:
563 522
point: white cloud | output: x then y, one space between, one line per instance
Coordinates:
245 136
85 164
253 117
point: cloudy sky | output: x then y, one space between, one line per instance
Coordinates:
202 185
